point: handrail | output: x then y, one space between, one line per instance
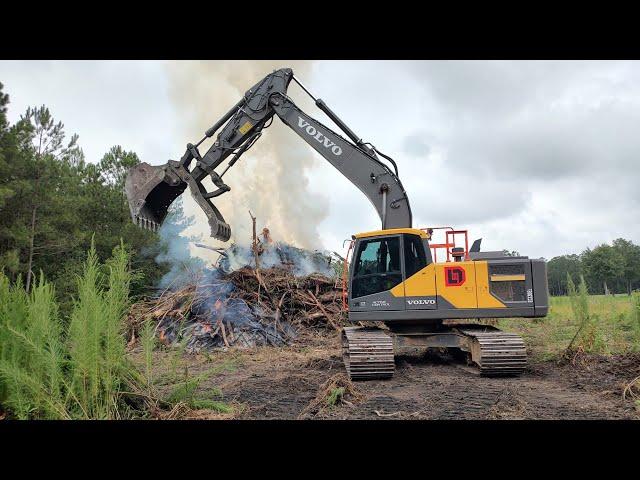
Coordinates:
345 271
449 244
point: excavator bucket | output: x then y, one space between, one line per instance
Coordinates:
150 190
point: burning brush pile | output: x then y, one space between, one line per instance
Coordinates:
235 303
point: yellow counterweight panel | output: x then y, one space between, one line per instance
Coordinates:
485 299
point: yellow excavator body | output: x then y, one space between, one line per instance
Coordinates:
474 293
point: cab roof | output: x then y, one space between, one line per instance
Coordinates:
392 231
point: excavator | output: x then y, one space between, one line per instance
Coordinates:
394 278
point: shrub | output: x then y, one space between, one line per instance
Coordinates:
635 316
78 371
32 361
587 337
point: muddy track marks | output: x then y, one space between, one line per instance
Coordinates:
280 385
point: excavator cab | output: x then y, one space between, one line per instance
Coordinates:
377 269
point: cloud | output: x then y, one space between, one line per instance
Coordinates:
105 102
542 157
537 155
416 145
552 143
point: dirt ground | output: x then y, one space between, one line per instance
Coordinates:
280 383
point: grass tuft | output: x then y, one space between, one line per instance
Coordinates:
588 337
335 396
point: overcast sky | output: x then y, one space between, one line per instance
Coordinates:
539 157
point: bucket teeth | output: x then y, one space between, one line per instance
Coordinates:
147 224
150 191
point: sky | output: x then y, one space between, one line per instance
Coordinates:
541 157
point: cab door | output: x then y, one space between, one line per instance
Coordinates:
419 273
376 269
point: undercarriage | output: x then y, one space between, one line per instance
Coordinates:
368 352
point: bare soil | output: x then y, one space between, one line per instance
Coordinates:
280 383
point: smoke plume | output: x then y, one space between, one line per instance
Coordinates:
270 178
176 255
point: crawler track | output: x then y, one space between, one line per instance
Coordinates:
367 353
495 352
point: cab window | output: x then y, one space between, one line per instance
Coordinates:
377 266
414 254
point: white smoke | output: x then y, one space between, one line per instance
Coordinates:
298 261
270 178
182 266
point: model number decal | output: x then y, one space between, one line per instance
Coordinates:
379 303
529 295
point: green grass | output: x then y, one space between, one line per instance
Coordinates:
189 391
77 367
204 404
613 326
335 396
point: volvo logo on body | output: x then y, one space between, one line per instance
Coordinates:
421 302
319 136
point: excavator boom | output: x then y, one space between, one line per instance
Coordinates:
151 189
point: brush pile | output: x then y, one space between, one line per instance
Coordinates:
337 391
246 307
234 303
309 301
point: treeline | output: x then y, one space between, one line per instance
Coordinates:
606 269
53 201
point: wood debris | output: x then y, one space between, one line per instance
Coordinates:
246 307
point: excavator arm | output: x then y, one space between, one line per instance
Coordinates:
151 189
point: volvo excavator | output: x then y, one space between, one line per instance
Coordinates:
394 277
